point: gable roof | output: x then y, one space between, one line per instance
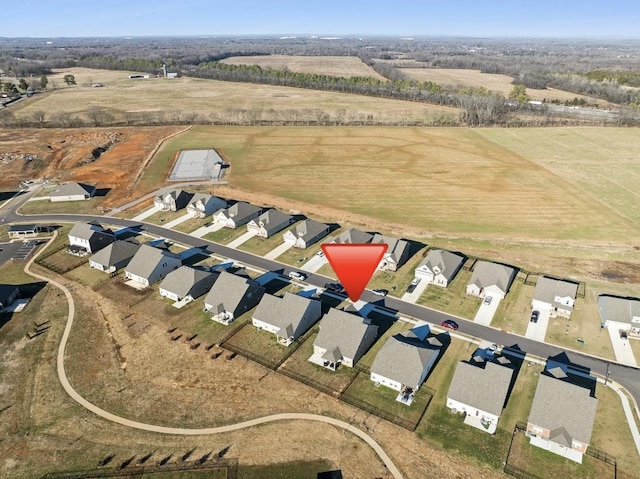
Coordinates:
240 210
284 313
146 259
273 217
396 249
73 189
181 197
342 333
203 197
403 358
547 289
353 236
229 289
446 261
567 410
309 229
622 310
87 230
482 388
181 280
489 274
115 252
7 290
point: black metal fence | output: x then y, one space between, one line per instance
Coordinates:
601 456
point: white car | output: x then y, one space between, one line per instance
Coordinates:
297 276
320 254
415 281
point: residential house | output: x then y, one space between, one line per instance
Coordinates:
151 264
186 282
439 267
8 294
491 279
306 233
479 391
562 414
173 200
288 317
202 205
343 339
405 360
114 256
269 223
397 252
621 314
72 192
554 295
237 215
231 296
90 237
353 236
24 231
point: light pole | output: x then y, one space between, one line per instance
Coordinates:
607 376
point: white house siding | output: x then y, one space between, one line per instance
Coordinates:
290 237
424 274
168 294
136 278
616 326
83 243
493 291
101 267
390 383
441 281
473 290
540 305
266 326
68 198
459 407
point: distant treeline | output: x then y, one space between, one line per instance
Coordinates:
621 78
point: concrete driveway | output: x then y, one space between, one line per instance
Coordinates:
146 213
485 312
314 264
177 221
200 232
622 348
415 294
278 250
243 238
537 331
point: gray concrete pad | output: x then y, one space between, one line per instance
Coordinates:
195 165
622 348
538 331
485 312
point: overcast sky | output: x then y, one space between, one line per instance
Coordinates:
545 18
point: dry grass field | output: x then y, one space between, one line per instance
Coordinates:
209 98
323 65
465 78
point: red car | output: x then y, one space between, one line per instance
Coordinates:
449 324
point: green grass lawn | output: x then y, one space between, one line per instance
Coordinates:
514 310
88 276
635 346
63 260
214 473
398 281
92 206
225 235
162 217
191 224
261 246
288 470
452 299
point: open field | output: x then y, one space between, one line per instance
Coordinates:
209 98
323 65
465 78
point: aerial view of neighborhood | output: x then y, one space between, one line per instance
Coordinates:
403 244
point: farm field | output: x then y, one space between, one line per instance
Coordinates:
210 98
339 66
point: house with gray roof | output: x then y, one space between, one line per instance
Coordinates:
202 205
561 418
288 317
306 233
114 256
479 391
405 360
269 223
186 283
353 236
491 279
397 252
72 191
150 265
231 296
620 314
8 294
439 267
343 339
90 237
238 214
173 200
554 295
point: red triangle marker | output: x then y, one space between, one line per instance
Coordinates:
354 264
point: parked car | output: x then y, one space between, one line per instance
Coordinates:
623 334
334 287
380 292
297 275
411 288
487 300
415 281
535 314
449 324
320 254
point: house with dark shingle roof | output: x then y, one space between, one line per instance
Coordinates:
114 256
237 215
288 317
269 223
231 296
173 200
8 294
90 237
202 205
554 295
151 264
620 313
439 267
343 339
405 360
562 416
72 191
306 233
186 282
491 279
479 391
397 252
353 236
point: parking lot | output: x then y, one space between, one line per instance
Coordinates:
17 250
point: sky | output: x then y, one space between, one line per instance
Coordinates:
486 18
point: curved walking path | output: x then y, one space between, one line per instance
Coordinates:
62 375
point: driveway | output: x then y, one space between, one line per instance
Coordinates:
415 294
241 239
146 213
314 264
177 221
622 348
485 312
278 250
200 232
537 331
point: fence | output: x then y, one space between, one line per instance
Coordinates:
519 473
310 382
601 456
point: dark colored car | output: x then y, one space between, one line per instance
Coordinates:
449 324
334 287
535 314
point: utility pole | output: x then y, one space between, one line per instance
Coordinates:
606 378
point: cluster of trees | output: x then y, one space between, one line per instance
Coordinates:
23 85
630 78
